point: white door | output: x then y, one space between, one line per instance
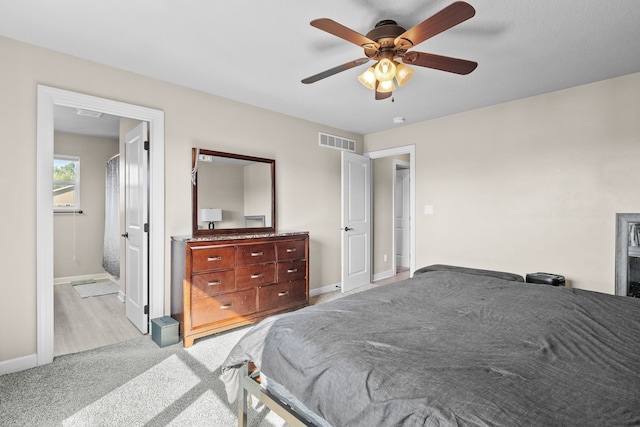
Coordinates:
356 221
136 236
401 218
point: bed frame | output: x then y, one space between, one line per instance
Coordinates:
249 384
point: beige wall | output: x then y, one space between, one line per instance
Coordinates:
221 186
523 186
308 176
530 185
79 238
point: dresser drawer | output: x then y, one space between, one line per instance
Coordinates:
212 283
290 249
282 294
205 258
291 270
255 275
256 254
221 307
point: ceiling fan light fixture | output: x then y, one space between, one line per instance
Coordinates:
386 86
385 70
368 78
403 74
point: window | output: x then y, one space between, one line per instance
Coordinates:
66 183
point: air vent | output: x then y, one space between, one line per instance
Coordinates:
337 142
88 113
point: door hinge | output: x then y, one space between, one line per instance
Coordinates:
146 145
146 309
146 227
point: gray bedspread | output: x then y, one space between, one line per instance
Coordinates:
453 349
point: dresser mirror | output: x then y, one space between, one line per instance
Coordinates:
232 193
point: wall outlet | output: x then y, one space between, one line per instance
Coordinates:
384 258
428 209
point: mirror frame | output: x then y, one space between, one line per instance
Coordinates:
194 196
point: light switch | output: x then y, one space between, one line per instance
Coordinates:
428 209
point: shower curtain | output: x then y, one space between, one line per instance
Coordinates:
111 257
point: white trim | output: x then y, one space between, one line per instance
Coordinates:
18 364
324 290
384 275
70 279
411 150
48 97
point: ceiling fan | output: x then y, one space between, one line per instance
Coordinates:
388 44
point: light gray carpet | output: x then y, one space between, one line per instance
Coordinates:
88 290
133 383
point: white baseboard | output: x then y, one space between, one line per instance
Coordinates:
96 277
383 275
325 289
121 296
18 364
338 286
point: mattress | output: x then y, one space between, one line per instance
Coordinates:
453 349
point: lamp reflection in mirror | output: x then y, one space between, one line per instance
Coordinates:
211 216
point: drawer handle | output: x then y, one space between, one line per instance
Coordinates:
292 270
214 258
216 283
256 276
257 253
283 294
291 250
226 306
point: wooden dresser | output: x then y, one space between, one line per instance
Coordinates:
224 281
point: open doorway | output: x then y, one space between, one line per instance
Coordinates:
401 216
48 98
393 211
89 289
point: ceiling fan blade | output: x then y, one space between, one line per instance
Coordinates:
345 33
382 95
448 17
335 70
438 62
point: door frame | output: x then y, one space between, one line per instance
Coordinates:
48 98
411 151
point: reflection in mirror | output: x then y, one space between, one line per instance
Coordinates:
232 193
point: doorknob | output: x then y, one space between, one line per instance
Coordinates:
348 229
125 235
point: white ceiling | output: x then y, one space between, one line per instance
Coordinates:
67 119
257 52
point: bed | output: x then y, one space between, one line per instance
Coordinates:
447 348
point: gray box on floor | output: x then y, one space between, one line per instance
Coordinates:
164 331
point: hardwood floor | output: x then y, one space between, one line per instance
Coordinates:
81 324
